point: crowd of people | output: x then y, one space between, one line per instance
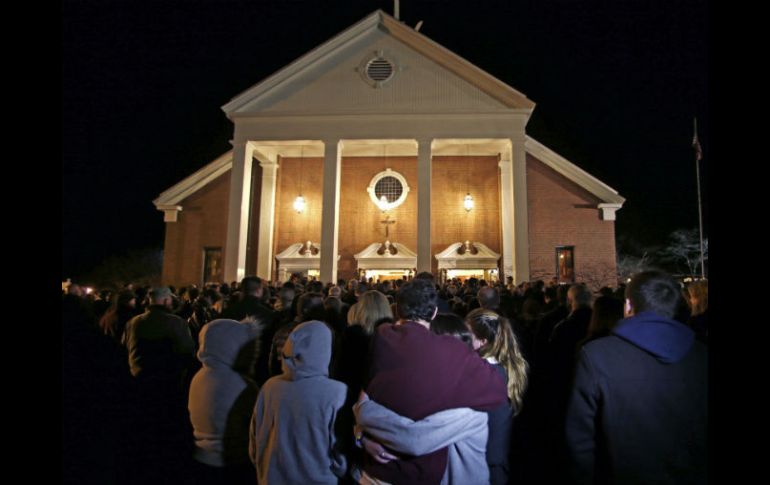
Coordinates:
391 382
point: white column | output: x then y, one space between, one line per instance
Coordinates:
330 212
238 212
520 211
266 219
506 204
423 205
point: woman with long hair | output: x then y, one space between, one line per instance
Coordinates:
123 308
494 340
371 310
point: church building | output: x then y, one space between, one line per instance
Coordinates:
381 153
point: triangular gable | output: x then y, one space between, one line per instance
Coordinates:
485 258
369 259
431 77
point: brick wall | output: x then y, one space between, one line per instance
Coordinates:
563 214
202 222
360 219
453 178
560 214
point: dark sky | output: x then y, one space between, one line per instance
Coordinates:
616 83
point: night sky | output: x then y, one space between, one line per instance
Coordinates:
616 83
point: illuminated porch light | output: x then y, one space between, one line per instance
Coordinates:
468 202
299 204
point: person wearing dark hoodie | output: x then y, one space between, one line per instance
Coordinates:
292 428
638 411
221 402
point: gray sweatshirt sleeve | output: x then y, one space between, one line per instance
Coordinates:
417 438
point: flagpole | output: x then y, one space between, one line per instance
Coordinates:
698 155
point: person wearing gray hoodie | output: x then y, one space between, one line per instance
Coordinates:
220 402
292 428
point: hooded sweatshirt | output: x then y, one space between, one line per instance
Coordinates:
292 429
221 399
638 410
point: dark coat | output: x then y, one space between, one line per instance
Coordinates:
638 410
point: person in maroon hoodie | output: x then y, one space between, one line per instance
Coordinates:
416 373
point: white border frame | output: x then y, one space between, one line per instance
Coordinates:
388 173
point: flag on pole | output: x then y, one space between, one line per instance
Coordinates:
696 143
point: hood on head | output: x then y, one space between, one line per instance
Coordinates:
221 341
308 351
668 340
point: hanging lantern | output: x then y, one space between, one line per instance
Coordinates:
468 202
299 204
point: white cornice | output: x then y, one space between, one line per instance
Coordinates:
607 194
195 182
358 116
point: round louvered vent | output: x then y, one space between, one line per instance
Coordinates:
379 69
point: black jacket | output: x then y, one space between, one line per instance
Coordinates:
638 410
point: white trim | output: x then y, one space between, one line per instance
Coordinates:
574 173
195 182
608 211
509 114
485 259
169 212
369 259
388 173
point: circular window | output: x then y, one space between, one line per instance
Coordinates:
388 189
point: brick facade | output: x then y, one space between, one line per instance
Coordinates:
563 214
201 223
560 214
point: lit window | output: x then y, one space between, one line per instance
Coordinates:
565 264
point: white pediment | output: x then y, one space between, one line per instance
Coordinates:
294 258
370 259
451 258
331 79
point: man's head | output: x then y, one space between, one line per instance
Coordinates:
652 291
310 306
286 296
252 286
488 298
417 300
424 275
335 291
161 296
578 296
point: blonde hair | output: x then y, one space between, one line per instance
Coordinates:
699 291
372 307
503 346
